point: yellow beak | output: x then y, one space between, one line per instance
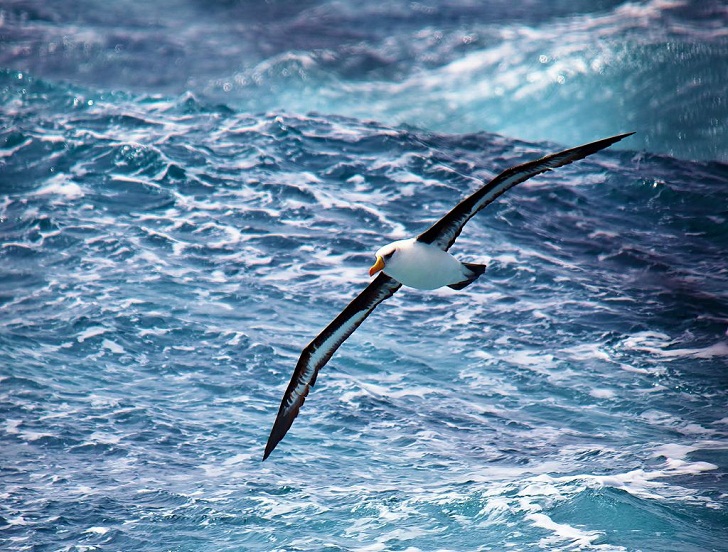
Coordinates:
379 265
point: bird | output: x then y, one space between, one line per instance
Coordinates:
422 262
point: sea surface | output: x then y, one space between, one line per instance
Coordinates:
191 190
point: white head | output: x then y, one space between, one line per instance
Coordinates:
389 253
383 255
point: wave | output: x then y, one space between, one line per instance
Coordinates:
547 73
165 253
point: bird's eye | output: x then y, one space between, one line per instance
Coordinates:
388 256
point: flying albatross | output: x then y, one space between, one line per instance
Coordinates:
422 263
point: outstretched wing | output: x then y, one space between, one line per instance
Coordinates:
319 351
446 230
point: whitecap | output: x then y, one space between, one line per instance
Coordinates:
11 426
34 435
531 359
92 331
97 530
112 346
19 520
157 332
562 532
60 186
237 459
657 344
586 351
602 393
103 438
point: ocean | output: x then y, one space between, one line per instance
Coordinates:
190 191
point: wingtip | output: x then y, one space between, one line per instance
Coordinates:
268 449
283 423
619 137
614 139
270 445
592 147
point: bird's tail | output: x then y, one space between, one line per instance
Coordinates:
472 273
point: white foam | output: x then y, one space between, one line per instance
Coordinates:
97 530
694 429
237 459
656 343
151 258
11 426
533 360
562 532
188 348
154 331
104 438
34 435
586 351
603 234
649 484
59 186
19 520
112 346
506 259
602 393
218 277
93 331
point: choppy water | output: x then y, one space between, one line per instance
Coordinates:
190 191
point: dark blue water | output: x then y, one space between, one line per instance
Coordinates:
190 191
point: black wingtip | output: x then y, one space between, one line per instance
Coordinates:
593 147
617 138
273 440
272 443
622 136
283 423
579 152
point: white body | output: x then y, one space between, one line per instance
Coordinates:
421 265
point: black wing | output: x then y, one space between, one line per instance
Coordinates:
446 230
319 351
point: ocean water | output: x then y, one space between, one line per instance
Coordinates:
190 191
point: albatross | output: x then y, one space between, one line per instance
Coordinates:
422 262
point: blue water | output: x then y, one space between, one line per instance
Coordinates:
190 191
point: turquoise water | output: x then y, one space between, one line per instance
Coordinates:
190 191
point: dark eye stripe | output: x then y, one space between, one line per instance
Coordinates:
388 256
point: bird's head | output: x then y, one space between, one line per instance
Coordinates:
383 255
